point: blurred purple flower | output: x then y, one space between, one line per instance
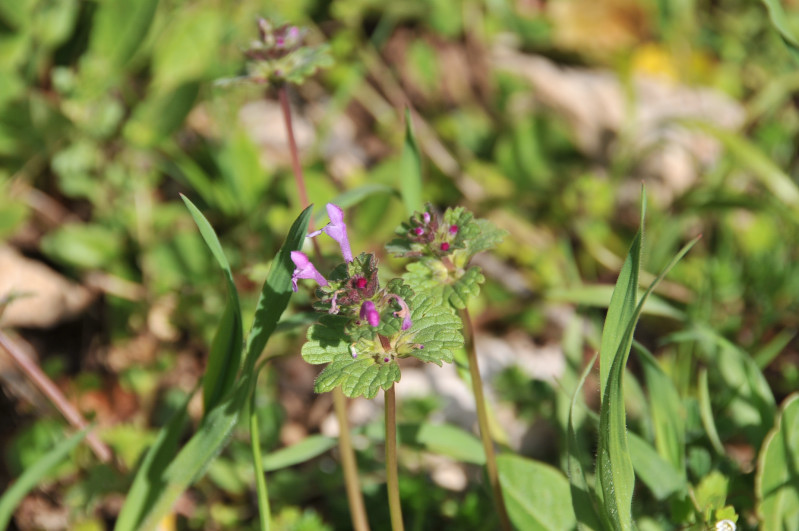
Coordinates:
304 269
369 312
337 230
404 312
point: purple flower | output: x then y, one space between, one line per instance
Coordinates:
404 312
369 312
337 230
304 269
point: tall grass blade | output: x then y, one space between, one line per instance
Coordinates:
780 22
225 355
584 499
622 304
161 480
34 474
614 465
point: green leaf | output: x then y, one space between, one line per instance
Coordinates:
188 48
262 492
668 413
359 365
750 157
34 474
444 439
537 495
598 295
410 170
119 28
83 246
159 481
149 481
777 479
706 412
225 356
303 451
656 473
160 115
614 465
432 277
276 291
780 22
584 499
622 304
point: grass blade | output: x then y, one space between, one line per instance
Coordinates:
622 304
777 473
264 515
668 414
149 481
584 499
163 481
614 465
780 22
225 355
35 474
410 173
276 291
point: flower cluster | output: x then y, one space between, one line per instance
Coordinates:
443 246
280 55
353 289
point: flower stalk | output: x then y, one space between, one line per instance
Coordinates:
392 476
482 420
349 464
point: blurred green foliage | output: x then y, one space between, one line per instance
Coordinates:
108 110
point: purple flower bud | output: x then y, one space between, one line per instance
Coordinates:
418 231
453 229
369 312
304 269
337 230
404 312
445 246
426 217
361 283
386 360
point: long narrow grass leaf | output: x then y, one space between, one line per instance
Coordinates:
264 515
614 465
225 354
706 412
622 304
276 291
780 22
149 481
34 474
167 481
584 499
777 479
666 408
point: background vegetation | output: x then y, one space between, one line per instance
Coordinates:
541 116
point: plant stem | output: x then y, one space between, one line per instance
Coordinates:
264 514
392 478
482 419
52 392
299 179
348 463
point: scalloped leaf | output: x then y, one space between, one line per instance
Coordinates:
435 327
362 363
431 276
